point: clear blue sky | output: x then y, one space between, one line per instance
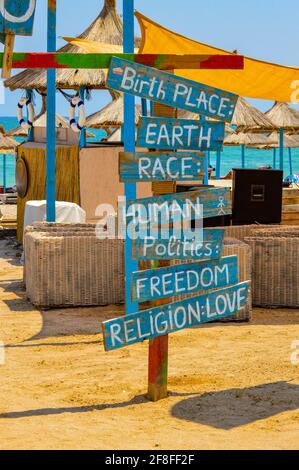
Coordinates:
264 29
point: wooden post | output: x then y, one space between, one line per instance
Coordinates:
218 165
51 118
158 347
129 146
8 55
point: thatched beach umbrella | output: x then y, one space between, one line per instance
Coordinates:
107 28
41 121
246 118
249 118
8 146
111 115
285 118
244 139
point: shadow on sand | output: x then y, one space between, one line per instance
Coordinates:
236 407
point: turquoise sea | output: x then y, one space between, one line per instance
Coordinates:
231 156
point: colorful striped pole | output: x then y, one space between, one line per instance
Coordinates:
129 146
51 118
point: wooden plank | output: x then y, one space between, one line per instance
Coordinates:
8 53
62 60
171 90
17 16
173 249
214 201
157 166
184 279
166 319
186 134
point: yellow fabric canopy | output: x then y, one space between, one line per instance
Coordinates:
259 79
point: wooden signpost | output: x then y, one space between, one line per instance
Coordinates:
152 248
171 90
165 133
16 19
132 74
160 321
153 284
158 166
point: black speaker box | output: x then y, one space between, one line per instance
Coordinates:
257 196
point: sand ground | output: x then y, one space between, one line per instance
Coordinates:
232 386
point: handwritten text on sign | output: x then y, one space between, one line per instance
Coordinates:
184 279
162 320
171 90
16 16
175 249
155 166
214 201
188 134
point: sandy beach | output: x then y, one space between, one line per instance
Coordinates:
232 386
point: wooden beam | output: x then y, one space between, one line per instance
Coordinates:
60 60
8 55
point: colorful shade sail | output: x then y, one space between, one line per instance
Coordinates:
259 79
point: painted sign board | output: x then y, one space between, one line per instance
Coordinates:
166 319
172 90
155 166
185 134
17 17
183 279
214 202
209 248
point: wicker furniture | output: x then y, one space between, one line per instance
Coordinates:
68 268
275 281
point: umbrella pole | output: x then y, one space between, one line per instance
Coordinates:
51 119
243 156
82 139
218 165
290 162
274 159
281 145
144 106
4 173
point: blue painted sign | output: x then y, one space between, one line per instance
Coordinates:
155 166
154 284
187 134
165 319
17 16
169 89
209 248
202 203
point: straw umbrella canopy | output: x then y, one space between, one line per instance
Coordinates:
244 139
41 121
111 115
249 118
107 28
285 118
8 145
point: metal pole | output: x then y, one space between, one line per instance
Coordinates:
243 156
144 106
51 118
290 162
274 158
4 174
129 146
281 145
218 165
